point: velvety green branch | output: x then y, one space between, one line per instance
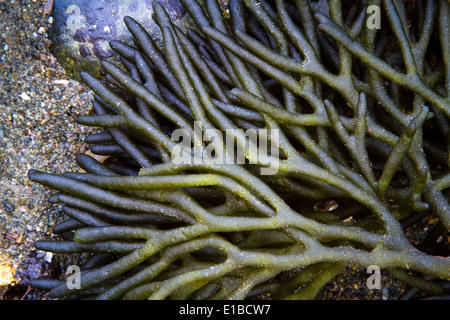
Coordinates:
352 122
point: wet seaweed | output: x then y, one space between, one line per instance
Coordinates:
362 138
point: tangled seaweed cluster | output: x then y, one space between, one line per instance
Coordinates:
362 117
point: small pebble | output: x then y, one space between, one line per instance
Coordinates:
63 82
8 206
47 9
25 97
48 257
385 294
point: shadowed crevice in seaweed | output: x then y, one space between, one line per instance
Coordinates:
355 167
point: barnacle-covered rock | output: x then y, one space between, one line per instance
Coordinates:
82 29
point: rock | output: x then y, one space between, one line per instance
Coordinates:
25 96
35 266
82 29
8 206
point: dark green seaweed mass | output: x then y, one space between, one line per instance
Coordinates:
363 148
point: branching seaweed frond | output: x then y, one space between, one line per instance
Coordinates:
356 120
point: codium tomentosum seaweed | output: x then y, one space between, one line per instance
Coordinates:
310 142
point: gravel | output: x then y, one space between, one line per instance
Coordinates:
38 104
